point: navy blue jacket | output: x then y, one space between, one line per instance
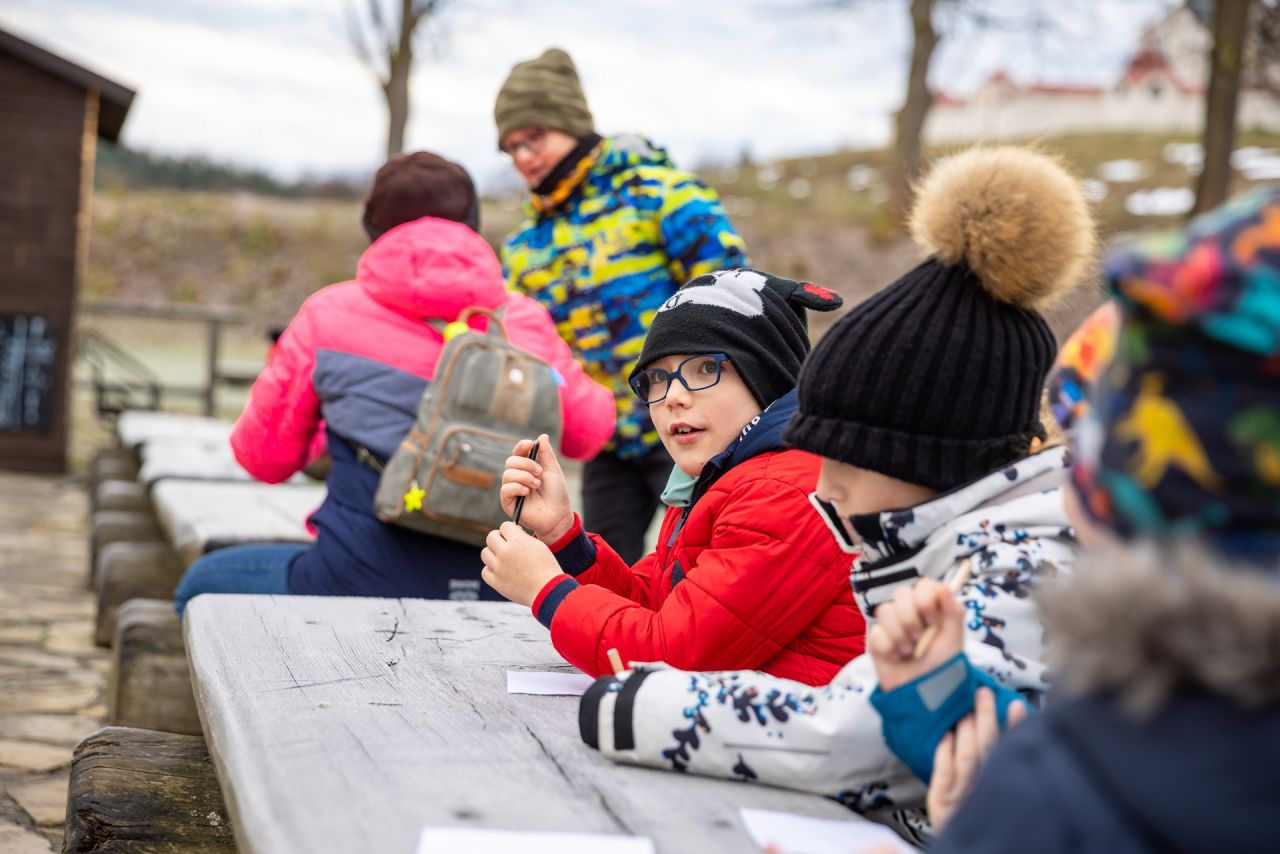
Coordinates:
1200 776
391 561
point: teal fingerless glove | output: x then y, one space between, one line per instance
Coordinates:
916 715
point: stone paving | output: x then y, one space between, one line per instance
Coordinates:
52 677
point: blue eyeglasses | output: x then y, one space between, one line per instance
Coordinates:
652 384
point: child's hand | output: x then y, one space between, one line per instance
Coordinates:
547 511
517 565
901 621
962 751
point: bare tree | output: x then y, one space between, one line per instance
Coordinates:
384 42
927 33
1233 49
908 123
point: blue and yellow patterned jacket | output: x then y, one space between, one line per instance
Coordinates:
629 236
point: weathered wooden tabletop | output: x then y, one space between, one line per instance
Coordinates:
348 725
197 516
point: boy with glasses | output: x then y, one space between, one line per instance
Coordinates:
745 574
610 231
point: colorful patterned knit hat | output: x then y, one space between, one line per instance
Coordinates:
1080 363
1191 404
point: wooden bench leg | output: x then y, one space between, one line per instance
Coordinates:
150 683
135 790
112 464
132 570
114 526
127 495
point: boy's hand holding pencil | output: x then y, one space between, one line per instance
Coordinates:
919 629
534 482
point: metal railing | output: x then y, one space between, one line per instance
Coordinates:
101 352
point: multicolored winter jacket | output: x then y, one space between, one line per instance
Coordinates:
628 237
355 361
749 726
746 576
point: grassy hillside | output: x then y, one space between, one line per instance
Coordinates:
818 218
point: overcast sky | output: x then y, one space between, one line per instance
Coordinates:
275 84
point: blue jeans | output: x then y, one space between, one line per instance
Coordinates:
239 569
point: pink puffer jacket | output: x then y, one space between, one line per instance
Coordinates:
352 353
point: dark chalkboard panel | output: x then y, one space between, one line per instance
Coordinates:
28 359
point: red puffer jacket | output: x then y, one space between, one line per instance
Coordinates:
748 577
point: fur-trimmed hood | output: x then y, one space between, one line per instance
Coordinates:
1144 621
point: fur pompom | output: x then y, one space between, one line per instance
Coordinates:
1015 216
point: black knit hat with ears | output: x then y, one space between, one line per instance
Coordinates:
937 379
754 318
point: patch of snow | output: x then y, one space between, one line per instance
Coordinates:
1094 190
1160 201
861 177
1121 171
1257 164
1242 157
799 188
1188 154
767 176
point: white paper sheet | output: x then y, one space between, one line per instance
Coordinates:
799 834
451 840
549 684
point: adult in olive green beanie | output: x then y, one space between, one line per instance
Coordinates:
611 229
543 92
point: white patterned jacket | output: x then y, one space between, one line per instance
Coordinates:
749 726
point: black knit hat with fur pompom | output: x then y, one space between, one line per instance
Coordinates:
937 379
756 319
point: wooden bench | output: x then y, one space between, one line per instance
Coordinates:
136 428
118 526
198 517
150 684
111 464
132 570
192 460
142 555
126 495
133 790
348 725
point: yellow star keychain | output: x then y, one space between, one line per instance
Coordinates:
413 498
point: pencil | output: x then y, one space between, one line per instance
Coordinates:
957 583
533 455
615 661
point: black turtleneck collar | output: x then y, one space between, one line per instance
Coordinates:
565 166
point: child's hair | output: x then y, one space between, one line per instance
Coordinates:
1053 435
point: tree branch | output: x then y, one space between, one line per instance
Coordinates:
360 41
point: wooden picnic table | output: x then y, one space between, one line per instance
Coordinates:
137 427
192 459
348 725
197 516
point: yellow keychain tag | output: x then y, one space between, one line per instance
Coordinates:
413 498
455 329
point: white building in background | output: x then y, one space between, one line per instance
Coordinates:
1161 90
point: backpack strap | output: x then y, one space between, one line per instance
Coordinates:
364 455
496 326
495 316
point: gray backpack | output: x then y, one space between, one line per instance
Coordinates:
487 395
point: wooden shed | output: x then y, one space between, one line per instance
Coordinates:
51 113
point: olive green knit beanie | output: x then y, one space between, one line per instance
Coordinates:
543 91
